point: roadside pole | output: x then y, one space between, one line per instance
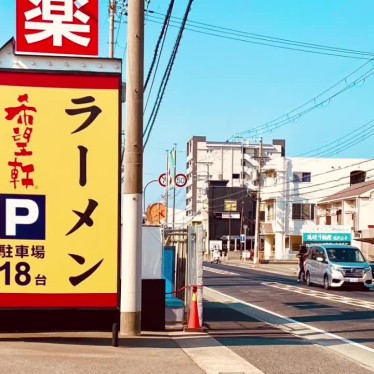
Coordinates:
131 257
167 190
112 10
258 202
174 174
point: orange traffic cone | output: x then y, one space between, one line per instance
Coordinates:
194 320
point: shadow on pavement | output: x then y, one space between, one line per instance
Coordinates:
233 328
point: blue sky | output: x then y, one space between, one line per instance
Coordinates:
219 86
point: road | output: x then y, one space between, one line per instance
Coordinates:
281 326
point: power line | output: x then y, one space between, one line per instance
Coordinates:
289 117
165 78
270 41
156 55
305 187
270 38
160 39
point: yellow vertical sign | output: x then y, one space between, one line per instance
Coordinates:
59 189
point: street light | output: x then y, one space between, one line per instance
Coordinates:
154 180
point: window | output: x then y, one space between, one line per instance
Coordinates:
339 216
302 176
303 211
230 206
236 176
262 216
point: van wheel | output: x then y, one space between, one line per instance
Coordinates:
326 285
308 282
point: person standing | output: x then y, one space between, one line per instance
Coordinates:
301 256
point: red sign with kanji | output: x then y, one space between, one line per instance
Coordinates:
58 27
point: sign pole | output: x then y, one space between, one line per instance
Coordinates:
174 175
258 203
167 190
131 259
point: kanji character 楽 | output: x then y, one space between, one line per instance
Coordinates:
58 21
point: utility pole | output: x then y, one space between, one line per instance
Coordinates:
241 231
174 174
258 202
112 12
131 259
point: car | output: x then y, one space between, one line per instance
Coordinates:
372 268
332 265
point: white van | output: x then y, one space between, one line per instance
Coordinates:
333 265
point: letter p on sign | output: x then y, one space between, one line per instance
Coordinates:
22 217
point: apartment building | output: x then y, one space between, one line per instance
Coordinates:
234 162
297 193
352 208
219 177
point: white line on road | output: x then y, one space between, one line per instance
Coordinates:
348 348
219 271
322 295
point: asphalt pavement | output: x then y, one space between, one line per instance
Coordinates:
172 351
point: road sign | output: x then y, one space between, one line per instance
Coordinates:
242 238
162 180
180 180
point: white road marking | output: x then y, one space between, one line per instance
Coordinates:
213 357
219 271
348 348
322 295
268 269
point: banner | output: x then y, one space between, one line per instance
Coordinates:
58 27
172 167
59 189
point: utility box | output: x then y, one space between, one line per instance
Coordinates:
174 310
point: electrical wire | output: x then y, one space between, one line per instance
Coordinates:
319 150
243 195
165 79
282 45
287 118
266 37
160 40
305 188
156 55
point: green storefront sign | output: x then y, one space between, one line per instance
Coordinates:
327 238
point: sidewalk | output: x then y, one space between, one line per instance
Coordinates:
167 352
286 267
82 353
